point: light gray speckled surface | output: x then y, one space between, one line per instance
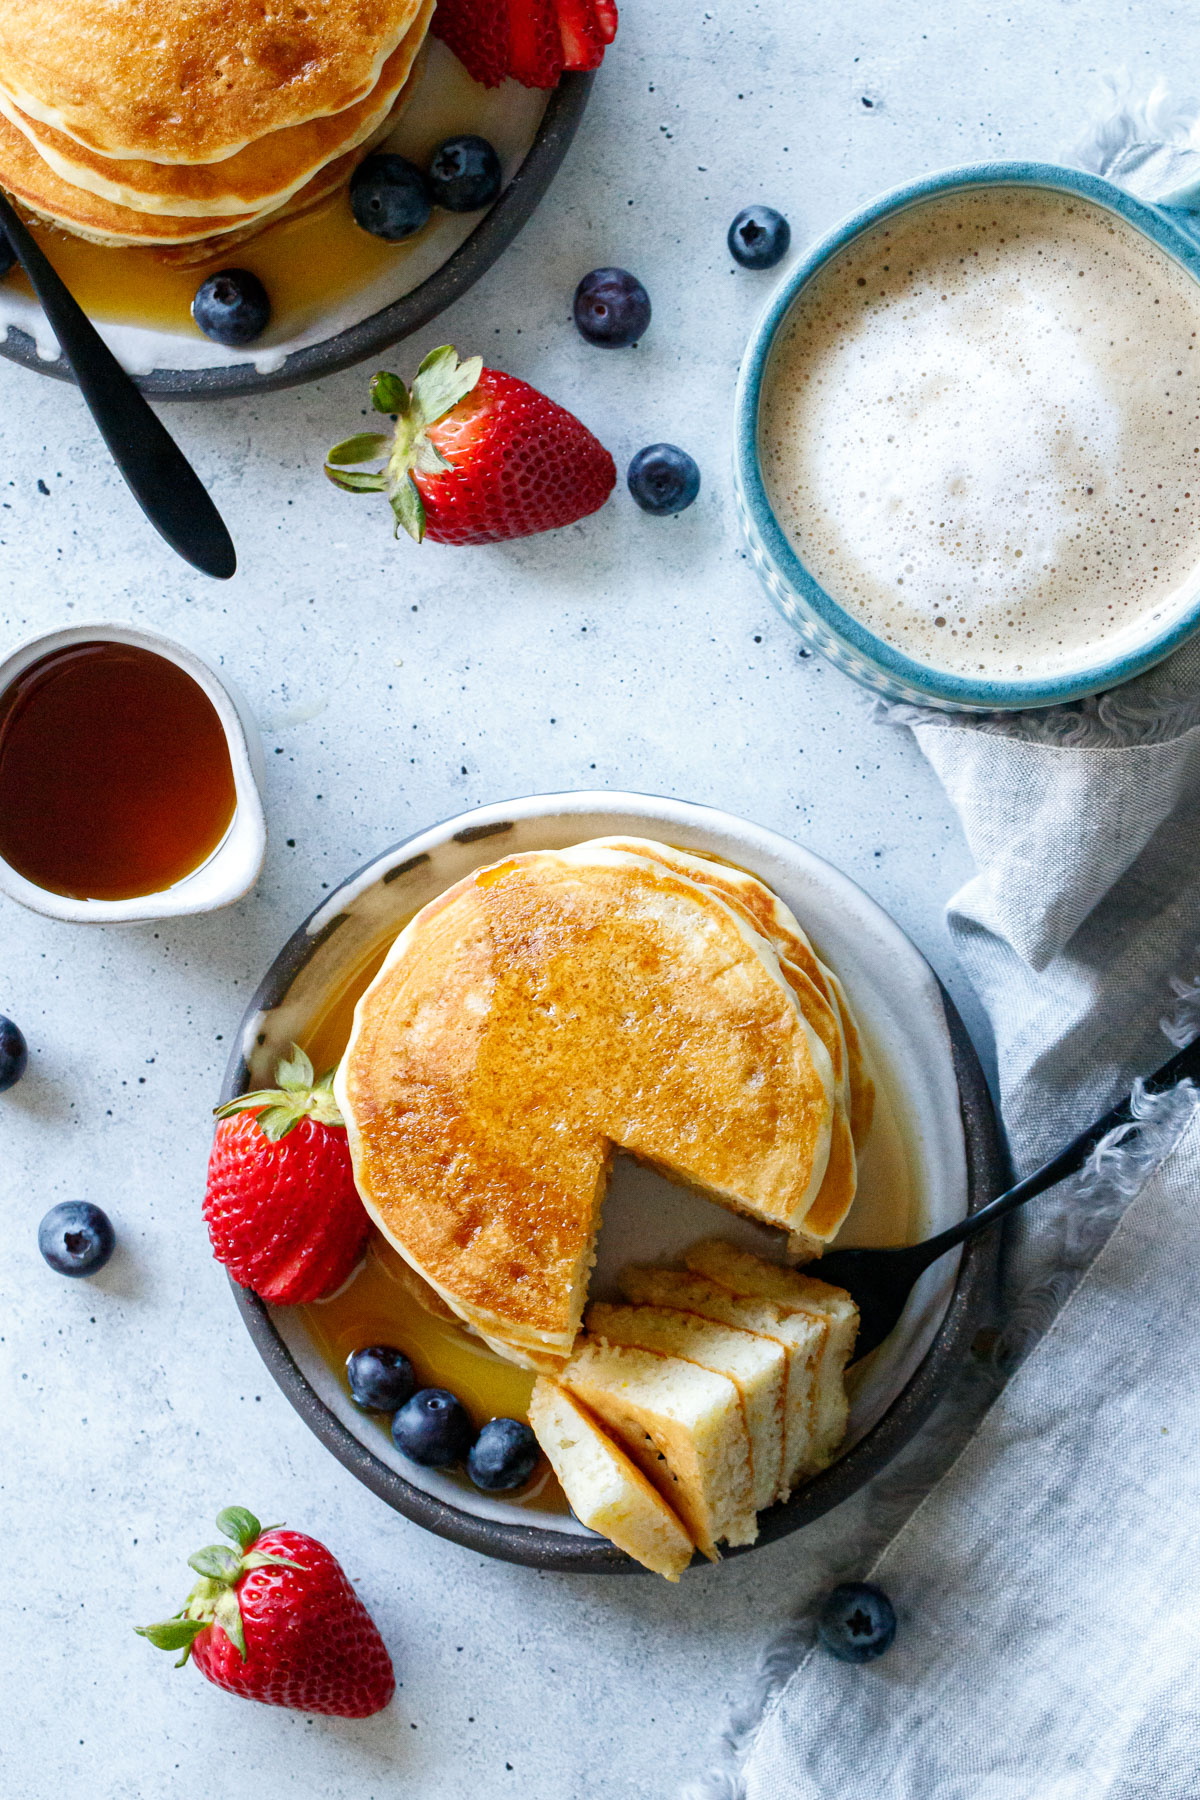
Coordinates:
398 687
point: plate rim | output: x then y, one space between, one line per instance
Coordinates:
536 1546
464 266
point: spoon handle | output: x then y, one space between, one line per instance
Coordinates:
161 479
1183 1066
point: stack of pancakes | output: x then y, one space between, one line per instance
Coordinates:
195 122
563 1004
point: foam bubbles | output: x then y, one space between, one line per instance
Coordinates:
981 431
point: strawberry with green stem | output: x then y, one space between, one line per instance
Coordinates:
276 1620
475 456
282 1210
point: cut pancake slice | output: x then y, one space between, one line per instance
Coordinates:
801 1336
605 1491
257 179
540 1013
744 1273
684 1428
756 1366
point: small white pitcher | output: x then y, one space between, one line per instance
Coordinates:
234 866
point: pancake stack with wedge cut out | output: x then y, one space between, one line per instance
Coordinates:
559 1005
190 122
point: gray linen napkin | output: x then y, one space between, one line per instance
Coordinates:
1045 1587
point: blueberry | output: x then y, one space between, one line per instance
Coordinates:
381 1378
759 237
857 1623
7 256
504 1455
13 1054
663 478
389 197
76 1238
232 307
464 174
433 1428
611 307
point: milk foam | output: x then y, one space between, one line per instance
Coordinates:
981 430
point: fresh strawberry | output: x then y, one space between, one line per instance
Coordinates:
606 18
582 44
531 40
276 1620
476 456
281 1206
478 33
535 50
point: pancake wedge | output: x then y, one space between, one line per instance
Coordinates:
605 1490
256 179
684 1428
539 1014
756 1366
800 1335
192 81
744 1273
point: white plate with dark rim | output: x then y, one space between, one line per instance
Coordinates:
532 131
933 1098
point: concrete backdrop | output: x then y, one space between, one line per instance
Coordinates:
396 687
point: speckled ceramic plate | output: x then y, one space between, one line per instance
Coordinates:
935 1126
531 130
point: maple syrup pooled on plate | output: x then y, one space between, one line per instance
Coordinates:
115 774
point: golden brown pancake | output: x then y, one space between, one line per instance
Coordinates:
191 81
24 175
824 1005
540 1013
263 175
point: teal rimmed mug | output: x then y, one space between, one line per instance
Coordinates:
816 615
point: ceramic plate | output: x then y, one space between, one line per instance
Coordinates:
935 1133
415 282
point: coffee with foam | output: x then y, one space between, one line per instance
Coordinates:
981 432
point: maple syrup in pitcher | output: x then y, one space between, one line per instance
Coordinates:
115 774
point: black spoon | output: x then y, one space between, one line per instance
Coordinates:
881 1280
161 479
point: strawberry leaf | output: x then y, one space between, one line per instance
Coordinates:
428 459
262 1559
173 1634
409 509
442 381
389 394
217 1562
294 1073
356 484
364 447
276 1121
228 1616
240 1524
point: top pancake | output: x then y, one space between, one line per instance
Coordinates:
257 179
192 81
539 1013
